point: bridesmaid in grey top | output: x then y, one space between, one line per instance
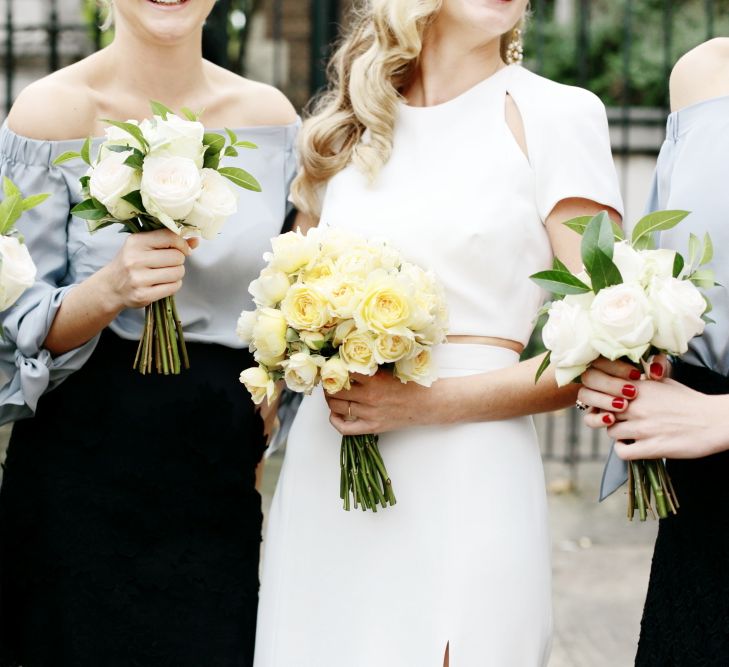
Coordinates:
130 523
685 419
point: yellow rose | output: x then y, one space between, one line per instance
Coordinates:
321 270
305 307
344 295
359 262
270 287
343 330
357 352
386 306
301 371
269 336
244 328
334 375
335 242
389 349
314 340
259 383
418 367
291 252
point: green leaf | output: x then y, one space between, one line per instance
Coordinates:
118 148
211 161
135 160
159 109
130 129
230 152
557 265
597 238
190 114
703 278
86 151
657 222
34 200
646 242
543 366
678 265
580 223
241 178
245 144
65 157
90 209
604 272
96 225
214 142
708 253
9 188
694 249
135 199
708 320
84 180
560 282
11 209
231 135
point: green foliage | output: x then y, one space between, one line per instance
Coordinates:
14 205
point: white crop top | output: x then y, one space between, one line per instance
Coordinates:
459 196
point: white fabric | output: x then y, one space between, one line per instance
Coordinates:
463 558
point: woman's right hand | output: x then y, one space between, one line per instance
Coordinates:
149 267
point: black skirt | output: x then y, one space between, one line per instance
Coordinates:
686 617
130 525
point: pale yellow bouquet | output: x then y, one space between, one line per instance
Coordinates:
329 304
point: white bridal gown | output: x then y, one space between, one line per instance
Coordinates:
462 559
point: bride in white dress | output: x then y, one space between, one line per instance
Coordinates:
468 165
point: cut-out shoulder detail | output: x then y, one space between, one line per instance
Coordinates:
701 74
515 123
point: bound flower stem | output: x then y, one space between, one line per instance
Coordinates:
363 474
162 345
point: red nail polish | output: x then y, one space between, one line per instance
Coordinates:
618 403
635 374
629 390
607 419
656 370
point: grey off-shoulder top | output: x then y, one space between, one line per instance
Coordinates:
217 274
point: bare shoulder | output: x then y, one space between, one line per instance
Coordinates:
243 102
701 74
57 107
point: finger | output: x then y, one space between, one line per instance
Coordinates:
619 369
659 367
162 276
337 405
602 401
345 427
163 257
157 292
630 451
164 238
604 383
599 419
193 242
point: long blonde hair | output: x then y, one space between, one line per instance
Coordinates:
373 64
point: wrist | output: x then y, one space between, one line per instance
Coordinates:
109 301
717 417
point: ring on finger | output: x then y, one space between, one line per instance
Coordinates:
350 416
580 405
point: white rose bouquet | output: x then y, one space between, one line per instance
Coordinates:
163 172
329 304
17 269
630 302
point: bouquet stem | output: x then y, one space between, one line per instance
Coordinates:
646 479
363 474
163 344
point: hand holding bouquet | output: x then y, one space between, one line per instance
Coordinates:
163 172
329 304
631 301
17 269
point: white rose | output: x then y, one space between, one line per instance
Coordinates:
175 137
622 322
292 251
677 309
17 270
301 371
335 242
270 287
170 187
334 375
259 383
115 136
111 180
568 334
343 295
418 367
269 337
640 266
244 328
657 264
217 202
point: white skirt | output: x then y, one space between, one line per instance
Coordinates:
462 559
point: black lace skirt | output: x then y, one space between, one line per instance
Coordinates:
130 525
686 617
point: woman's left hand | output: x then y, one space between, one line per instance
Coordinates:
669 420
378 404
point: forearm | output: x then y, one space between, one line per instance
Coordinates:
500 394
85 311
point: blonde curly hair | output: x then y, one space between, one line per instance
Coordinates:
107 10
373 64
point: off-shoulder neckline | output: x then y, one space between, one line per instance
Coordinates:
461 96
62 142
709 101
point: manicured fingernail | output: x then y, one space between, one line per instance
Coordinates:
607 419
635 374
656 370
629 390
619 403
